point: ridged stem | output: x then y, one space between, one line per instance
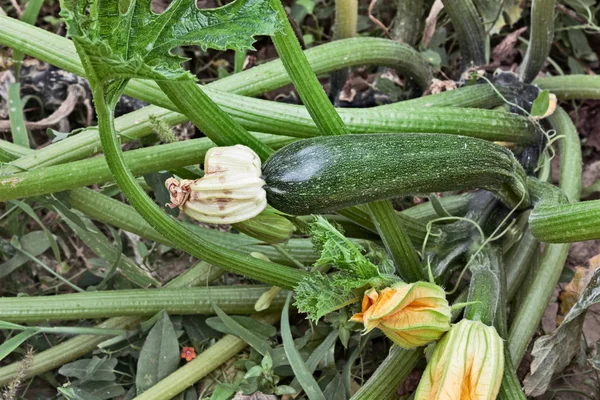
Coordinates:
528 316
408 21
133 302
77 347
571 87
190 242
540 41
389 375
216 124
329 122
305 81
397 241
59 51
469 30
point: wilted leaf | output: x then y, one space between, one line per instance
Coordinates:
159 356
568 297
254 396
552 353
94 369
595 361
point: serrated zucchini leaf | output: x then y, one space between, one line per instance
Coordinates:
126 42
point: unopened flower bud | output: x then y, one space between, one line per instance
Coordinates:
466 364
411 315
230 191
269 226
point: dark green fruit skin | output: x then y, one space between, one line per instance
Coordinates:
332 172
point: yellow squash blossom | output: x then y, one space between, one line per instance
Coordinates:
410 314
467 364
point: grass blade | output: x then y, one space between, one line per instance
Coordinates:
302 372
247 336
11 344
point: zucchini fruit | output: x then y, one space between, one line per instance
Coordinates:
332 172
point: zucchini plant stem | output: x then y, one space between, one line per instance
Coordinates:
540 42
215 123
469 30
528 316
71 349
95 170
305 81
329 123
408 21
134 302
571 87
274 274
346 17
390 374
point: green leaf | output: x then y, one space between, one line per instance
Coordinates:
159 356
317 355
223 391
541 104
34 243
335 390
319 294
94 369
31 213
303 374
134 42
246 335
102 247
340 252
11 344
92 391
260 328
552 353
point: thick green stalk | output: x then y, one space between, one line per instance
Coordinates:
528 316
215 123
305 81
77 347
397 241
274 274
59 51
518 261
540 42
564 223
571 87
296 121
133 302
329 122
346 16
408 21
469 30
389 375
511 388
95 170
206 362
113 212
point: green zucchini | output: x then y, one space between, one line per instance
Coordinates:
331 172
